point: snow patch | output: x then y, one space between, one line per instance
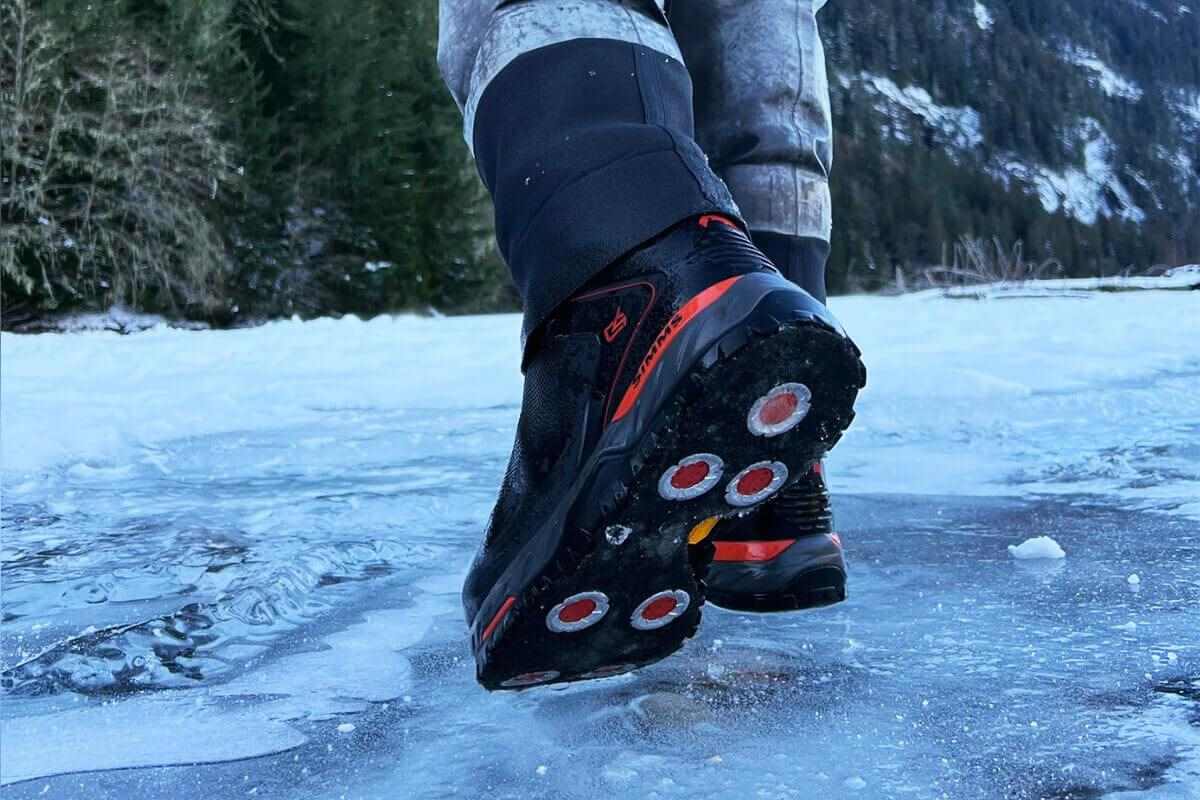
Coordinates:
1147 187
119 735
117 319
1085 194
1187 103
356 667
1108 79
1037 547
1179 278
958 126
983 17
353 668
107 401
95 397
1181 163
1146 7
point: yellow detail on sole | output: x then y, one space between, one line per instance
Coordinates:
702 530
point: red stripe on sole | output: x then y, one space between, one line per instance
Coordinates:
495 623
751 551
677 323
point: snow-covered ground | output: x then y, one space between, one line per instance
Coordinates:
1184 278
231 562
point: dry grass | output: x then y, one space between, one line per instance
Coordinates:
977 260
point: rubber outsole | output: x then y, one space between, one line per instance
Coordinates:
606 545
817 588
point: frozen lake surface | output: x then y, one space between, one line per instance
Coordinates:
231 564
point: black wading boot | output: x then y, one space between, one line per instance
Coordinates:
785 556
688 381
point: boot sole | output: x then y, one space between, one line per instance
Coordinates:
815 588
808 572
600 591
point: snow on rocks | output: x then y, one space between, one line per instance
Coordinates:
1085 194
1187 103
958 126
1037 547
983 17
1109 80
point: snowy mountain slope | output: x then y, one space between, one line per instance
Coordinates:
1072 126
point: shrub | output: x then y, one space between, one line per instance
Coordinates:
111 160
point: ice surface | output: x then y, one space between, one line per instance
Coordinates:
1037 547
232 562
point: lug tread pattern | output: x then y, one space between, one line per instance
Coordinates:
522 644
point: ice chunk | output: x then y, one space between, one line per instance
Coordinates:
1037 547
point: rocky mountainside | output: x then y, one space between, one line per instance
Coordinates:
1073 127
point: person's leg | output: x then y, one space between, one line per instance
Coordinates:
672 376
579 114
762 116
